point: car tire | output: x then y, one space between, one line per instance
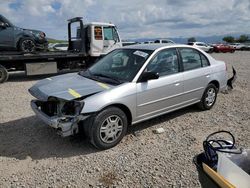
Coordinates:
4 75
208 98
108 128
27 45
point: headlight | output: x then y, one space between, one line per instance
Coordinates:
72 108
42 34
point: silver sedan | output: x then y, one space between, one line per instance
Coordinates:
128 86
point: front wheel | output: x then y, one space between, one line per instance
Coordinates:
209 97
27 45
3 74
108 128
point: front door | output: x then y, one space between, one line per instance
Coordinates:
155 97
111 39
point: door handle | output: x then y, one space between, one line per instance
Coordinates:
208 75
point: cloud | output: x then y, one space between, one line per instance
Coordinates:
135 19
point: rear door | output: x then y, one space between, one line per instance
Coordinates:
165 93
196 74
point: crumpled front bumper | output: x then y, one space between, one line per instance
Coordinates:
65 126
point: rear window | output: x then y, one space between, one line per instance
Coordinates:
190 43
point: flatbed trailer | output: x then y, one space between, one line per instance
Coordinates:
41 62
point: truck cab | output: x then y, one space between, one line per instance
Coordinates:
94 39
104 38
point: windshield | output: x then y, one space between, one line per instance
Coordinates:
119 66
5 20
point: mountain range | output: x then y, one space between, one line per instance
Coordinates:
183 40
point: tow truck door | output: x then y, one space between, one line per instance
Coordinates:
103 40
111 39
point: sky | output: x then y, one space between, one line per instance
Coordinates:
134 18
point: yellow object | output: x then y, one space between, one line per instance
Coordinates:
74 93
220 180
103 85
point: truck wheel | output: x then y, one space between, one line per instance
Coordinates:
3 74
27 45
108 128
209 97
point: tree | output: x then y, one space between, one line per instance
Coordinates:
243 38
191 39
228 39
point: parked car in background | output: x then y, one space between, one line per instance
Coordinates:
128 86
240 46
58 46
148 42
223 48
164 41
24 40
202 45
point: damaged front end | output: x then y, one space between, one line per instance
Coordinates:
62 115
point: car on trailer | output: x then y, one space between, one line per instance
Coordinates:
19 39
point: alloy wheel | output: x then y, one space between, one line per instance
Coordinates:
28 46
210 96
111 129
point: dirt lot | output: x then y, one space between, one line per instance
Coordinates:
32 155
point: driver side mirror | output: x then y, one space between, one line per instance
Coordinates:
149 76
3 25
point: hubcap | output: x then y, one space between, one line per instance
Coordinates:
28 46
111 129
210 97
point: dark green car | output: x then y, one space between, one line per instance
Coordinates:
24 40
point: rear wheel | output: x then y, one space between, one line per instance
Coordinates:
27 45
3 74
108 128
209 97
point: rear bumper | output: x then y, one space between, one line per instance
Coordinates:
65 126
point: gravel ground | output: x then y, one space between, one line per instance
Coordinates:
32 155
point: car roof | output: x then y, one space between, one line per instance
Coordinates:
154 46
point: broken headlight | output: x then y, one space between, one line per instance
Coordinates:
72 108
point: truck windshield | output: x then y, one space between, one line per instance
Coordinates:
119 66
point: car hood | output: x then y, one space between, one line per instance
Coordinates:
67 87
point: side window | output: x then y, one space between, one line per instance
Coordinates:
108 33
190 58
164 63
204 60
98 33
